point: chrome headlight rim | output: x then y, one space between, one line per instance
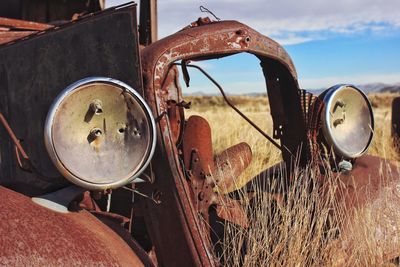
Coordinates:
328 97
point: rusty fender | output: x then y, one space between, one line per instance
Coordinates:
369 196
31 235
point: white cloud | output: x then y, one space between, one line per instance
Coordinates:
279 18
292 38
275 18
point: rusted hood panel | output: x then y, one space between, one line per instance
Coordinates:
370 197
31 235
365 182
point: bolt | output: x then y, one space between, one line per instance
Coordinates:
339 103
345 166
94 134
201 196
96 106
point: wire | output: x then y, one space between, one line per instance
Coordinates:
206 10
141 194
255 126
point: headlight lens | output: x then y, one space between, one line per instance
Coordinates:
347 120
100 133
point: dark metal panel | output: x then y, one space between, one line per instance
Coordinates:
37 69
47 10
396 120
10 8
148 22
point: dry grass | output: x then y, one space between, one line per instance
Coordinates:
302 230
229 128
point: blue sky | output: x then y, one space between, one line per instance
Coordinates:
330 42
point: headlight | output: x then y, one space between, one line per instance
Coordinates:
100 133
347 120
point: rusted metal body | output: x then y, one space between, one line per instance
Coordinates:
210 40
32 235
33 71
16 24
48 11
220 39
12 29
370 193
294 124
230 164
181 204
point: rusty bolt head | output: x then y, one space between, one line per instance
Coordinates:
201 195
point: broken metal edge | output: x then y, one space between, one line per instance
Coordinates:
33 34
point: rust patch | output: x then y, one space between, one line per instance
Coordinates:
230 164
31 235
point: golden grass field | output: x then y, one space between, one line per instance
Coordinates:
228 128
287 239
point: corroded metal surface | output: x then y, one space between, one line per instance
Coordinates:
184 165
230 164
13 29
14 24
31 235
369 197
197 140
363 184
211 40
218 39
231 210
8 36
205 173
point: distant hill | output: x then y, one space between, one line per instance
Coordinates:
380 88
366 88
369 88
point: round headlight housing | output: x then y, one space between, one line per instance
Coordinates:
347 120
100 133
